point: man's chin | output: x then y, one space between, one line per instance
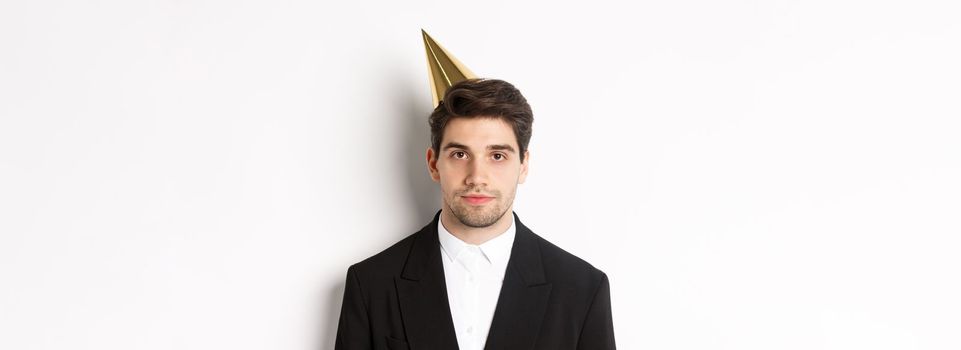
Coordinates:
478 220
475 224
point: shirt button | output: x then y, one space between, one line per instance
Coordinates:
470 330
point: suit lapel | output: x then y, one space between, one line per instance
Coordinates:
422 291
523 297
425 309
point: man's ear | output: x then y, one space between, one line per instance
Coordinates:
524 164
432 164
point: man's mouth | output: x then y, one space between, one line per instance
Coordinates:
477 200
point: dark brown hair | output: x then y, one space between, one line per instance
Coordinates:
483 98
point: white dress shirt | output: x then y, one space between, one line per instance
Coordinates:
474 277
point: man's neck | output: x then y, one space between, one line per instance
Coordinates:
475 235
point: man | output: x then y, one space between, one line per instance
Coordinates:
476 277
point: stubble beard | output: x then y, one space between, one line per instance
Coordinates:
478 217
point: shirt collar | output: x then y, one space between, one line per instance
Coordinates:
497 250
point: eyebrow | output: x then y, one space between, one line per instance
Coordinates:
502 147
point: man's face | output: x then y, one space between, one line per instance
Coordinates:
478 168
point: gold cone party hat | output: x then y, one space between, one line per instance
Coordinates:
444 69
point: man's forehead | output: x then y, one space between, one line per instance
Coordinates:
479 133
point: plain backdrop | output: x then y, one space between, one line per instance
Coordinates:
750 174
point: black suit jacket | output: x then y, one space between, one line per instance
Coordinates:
550 299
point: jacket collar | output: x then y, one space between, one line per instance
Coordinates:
425 308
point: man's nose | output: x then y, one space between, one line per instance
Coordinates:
476 173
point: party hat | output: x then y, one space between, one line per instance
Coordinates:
445 70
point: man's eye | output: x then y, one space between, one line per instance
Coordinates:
459 154
498 156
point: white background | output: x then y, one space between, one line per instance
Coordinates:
750 174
